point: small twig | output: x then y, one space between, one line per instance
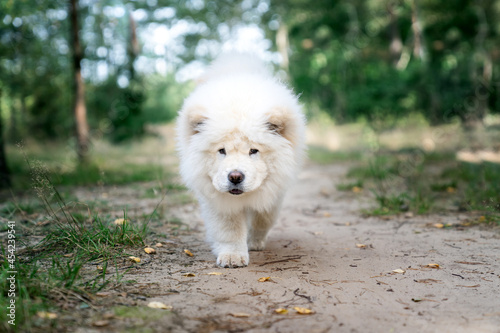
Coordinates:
458 275
282 260
295 292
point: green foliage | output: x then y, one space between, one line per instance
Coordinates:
380 60
164 98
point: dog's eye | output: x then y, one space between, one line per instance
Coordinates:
253 151
222 151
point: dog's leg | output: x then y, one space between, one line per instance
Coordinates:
260 223
228 235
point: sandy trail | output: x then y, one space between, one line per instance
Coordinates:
314 262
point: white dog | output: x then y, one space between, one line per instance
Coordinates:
241 144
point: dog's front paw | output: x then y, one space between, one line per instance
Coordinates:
256 245
232 260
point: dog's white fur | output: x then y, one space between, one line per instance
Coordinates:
239 106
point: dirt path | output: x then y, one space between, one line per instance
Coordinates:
315 260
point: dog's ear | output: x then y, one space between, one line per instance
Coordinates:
281 122
196 120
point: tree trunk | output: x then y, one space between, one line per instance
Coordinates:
282 44
4 169
416 25
396 46
133 47
79 107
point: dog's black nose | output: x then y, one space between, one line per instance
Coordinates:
236 177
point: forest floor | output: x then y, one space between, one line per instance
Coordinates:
328 265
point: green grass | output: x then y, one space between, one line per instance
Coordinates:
402 182
350 186
38 284
324 156
106 166
51 270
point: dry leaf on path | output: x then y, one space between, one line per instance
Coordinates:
281 311
134 259
438 225
264 279
303 310
158 244
120 221
215 273
189 274
399 271
46 315
189 253
149 250
159 305
433 265
361 246
357 189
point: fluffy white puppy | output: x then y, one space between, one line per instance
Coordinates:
241 144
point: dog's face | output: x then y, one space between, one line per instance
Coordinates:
239 166
235 141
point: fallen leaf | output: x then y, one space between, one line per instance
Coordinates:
240 315
69 255
189 253
281 311
135 259
450 189
149 250
264 279
46 315
99 268
189 274
303 310
482 219
438 225
120 221
416 300
214 273
361 246
100 323
158 244
433 265
399 271
159 305
357 189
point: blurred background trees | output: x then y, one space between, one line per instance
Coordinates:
373 59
